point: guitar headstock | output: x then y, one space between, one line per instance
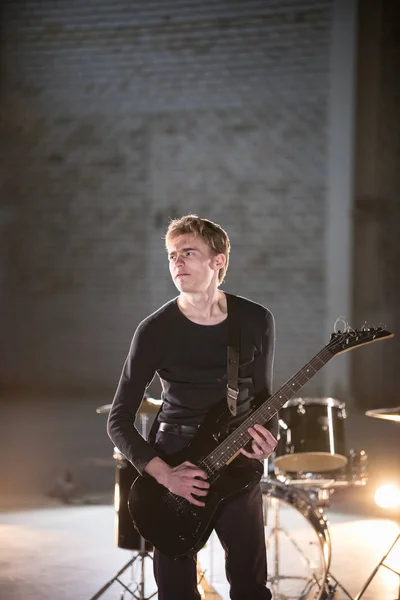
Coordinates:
353 338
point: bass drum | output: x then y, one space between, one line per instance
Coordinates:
298 543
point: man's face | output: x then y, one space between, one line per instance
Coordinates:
192 266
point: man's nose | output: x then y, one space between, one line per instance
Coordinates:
179 259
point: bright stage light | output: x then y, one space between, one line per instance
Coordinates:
388 496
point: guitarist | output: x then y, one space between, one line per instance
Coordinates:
185 343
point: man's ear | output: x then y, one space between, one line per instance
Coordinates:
220 260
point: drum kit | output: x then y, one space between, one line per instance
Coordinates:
126 536
310 462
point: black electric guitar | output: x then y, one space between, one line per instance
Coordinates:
175 526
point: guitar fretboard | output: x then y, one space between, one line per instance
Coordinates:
225 452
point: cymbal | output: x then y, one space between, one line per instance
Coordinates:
148 406
391 414
103 410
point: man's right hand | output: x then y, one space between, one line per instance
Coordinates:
185 480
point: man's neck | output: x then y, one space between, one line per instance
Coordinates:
204 308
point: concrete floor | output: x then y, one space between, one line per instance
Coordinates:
50 551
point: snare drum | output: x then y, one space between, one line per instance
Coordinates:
311 436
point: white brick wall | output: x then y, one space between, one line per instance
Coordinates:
121 115
118 115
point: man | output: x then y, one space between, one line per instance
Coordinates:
185 343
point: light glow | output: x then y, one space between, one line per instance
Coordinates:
116 497
331 440
388 496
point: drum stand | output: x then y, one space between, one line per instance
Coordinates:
328 585
370 578
139 556
277 576
331 589
381 564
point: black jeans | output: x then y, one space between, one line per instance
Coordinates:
240 528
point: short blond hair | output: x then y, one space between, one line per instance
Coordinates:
211 233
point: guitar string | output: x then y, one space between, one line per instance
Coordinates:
266 411
180 502
323 357
205 463
218 455
257 413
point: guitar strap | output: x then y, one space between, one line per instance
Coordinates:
232 389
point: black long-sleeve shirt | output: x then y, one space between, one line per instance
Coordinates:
191 362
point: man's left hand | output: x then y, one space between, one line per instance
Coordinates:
263 443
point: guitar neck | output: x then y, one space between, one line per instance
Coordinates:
274 403
231 445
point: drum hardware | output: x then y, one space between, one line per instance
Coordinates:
318 583
309 492
323 496
126 535
353 474
381 564
139 556
312 556
331 588
390 414
370 578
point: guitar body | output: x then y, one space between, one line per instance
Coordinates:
173 525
